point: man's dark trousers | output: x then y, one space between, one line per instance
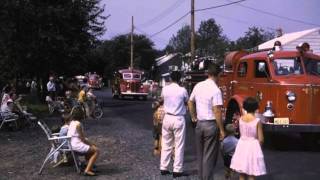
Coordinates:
207 145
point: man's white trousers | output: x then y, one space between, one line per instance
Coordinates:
173 138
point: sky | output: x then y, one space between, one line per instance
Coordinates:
151 16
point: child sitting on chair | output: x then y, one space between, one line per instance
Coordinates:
80 143
228 147
62 132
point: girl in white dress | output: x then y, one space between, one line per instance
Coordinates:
81 144
248 158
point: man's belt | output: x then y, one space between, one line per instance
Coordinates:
173 114
207 120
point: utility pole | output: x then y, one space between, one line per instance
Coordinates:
192 33
132 28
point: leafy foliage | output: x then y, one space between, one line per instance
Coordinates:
115 53
37 37
181 41
252 38
210 39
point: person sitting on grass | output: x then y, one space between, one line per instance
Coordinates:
80 143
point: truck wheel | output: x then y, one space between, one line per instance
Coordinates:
115 96
144 98
309 140
98 113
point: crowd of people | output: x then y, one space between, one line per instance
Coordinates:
212 136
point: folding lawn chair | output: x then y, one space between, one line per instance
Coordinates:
7 117
59 144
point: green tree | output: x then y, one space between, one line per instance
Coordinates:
181 41
210 39
41 36
252 38
116 53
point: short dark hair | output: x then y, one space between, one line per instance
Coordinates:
77 113
250 104
214 70
175 76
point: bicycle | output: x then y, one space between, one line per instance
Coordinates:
53 106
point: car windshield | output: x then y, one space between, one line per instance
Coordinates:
287 66
312 66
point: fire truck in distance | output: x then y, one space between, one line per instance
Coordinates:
95 81
286 83
128 82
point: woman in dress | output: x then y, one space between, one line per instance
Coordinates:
80 143
248 159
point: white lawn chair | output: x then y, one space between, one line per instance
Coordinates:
7 117
59 144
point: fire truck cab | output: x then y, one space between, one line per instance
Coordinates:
127 82
286 84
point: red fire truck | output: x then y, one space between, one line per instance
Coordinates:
95 81
127 82
286 83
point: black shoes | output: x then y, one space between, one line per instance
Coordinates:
164 172
174 174
177 174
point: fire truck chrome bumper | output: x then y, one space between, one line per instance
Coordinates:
133 94
268 127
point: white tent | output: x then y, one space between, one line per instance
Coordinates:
290 41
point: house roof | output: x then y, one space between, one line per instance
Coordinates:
287 38
165 58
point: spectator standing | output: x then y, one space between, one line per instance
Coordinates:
91 101
82 99
228 146
158 116
205 109
28 87
51 88
33 87
248 158
174 126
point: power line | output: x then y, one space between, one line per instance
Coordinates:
173 23
240 21
278 16
179 19
146 34
163 14
214 7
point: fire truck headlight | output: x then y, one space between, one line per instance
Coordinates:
291 96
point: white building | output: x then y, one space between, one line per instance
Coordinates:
290 41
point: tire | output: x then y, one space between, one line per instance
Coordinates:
98 113
144 98
115 96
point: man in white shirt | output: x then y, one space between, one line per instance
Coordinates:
51 87
173 128
207 98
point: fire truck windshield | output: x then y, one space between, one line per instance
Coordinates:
312 66
287 66
128 76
